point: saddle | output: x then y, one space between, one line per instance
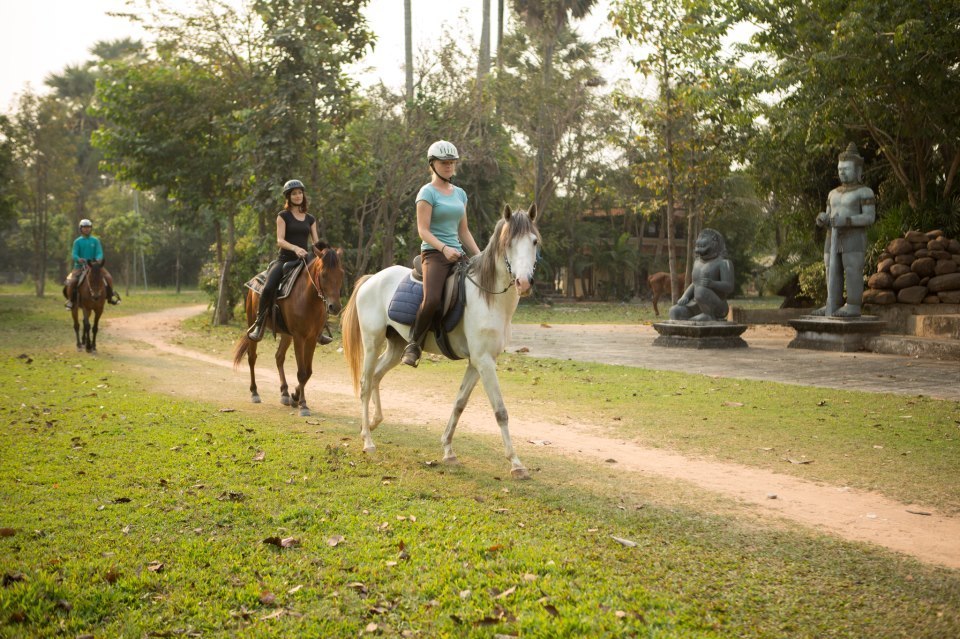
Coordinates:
409 294
291 270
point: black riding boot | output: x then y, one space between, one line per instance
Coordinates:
112 297
325 336
255 333
69 295
411 354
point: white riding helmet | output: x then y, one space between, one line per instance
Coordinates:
85 222
442 150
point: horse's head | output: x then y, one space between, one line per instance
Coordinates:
94 279
519 243
327 274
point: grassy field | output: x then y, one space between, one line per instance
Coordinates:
127 513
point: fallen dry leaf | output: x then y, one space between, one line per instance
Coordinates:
732 404
624 542
155 566
506 593
799 461
286 542
334 540
260 456
228 410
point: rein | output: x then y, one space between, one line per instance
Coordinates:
510 271
86 279
316 284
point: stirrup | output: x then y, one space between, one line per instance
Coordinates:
323 340
255 332
69 305
411 354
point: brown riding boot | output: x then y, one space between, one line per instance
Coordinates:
69 292
411 354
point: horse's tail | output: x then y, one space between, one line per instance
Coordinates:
240 349
352 338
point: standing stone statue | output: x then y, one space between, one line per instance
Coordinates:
705 300
851 208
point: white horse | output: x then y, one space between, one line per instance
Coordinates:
496 279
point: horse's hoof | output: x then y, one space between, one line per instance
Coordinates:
370 449
304 412
285 400
451 461
255 398
519 473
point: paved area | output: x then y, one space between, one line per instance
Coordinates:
766 358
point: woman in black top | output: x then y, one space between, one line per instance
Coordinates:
295 230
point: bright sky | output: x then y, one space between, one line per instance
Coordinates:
40 37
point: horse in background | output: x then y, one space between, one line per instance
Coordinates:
659 284
91 295
314 296
373 343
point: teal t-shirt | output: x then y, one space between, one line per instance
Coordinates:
448 210
87 248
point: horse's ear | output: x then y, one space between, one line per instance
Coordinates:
507 211
339 252
532 211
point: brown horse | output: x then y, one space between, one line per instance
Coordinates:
659 284
91 294
315 294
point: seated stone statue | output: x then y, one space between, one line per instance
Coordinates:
705 300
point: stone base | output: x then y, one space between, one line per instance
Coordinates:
700 335
841 334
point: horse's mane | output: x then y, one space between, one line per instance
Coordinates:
519 223
328 259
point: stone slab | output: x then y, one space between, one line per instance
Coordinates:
699 335
845 335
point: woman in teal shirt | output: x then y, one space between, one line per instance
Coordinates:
446 238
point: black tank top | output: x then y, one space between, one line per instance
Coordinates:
297 233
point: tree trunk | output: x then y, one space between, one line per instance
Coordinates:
408 47
483 61
223 311
668 148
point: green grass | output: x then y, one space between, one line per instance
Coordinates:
885 442
103 480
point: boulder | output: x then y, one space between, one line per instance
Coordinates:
899 246
931 299
937 245
906 281
948 282
947 297
884 265
912 294
878 296
880 280
945 267
941 255
924 267
906 258
899 269
934 234
916 236
953 246
921 253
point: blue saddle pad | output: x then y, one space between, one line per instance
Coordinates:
406 300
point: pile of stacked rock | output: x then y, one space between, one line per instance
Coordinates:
919 268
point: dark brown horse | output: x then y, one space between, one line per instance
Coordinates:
91 294
659 284
315 294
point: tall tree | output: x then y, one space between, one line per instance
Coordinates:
688 125
547 20
43 150
483 59
881 73
408 48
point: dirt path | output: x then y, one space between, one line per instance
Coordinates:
844 512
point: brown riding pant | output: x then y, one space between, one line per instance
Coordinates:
436 268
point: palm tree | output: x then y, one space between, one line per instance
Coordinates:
408 48
546 20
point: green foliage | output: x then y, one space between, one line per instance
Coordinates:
248 261
813 281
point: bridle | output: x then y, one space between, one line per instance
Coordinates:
513 276
315 283
86 278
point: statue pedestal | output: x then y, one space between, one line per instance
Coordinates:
700 335
844 334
